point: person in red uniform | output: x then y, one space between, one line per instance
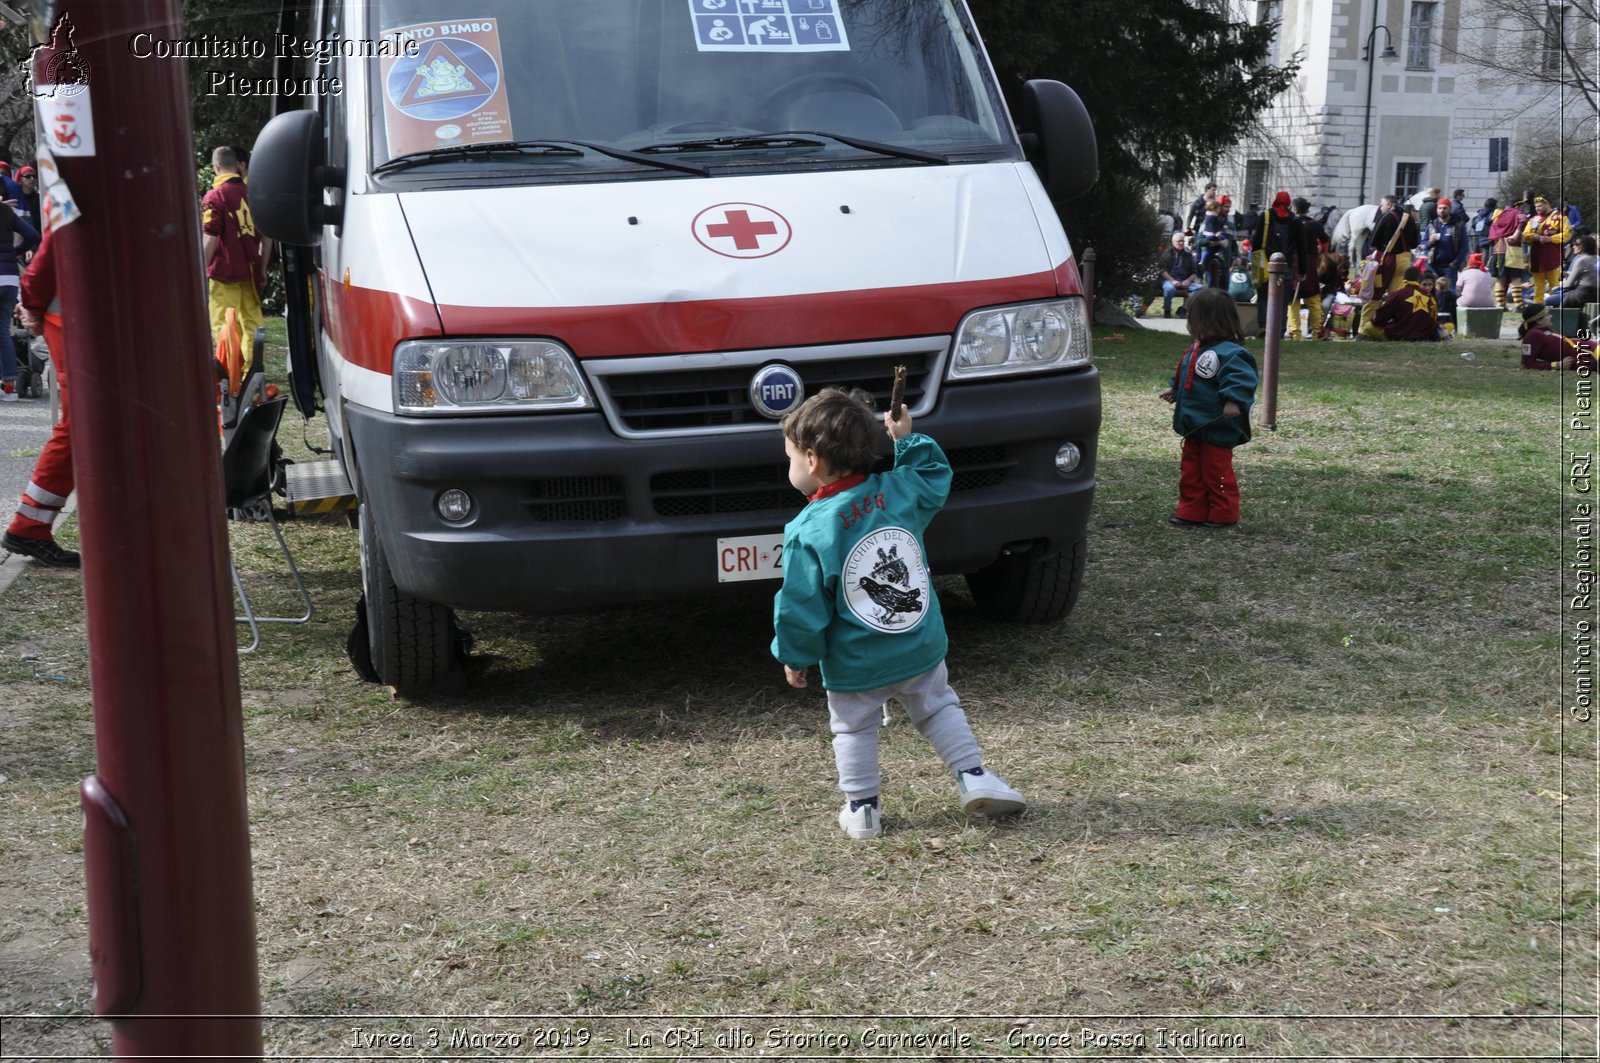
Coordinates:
31 533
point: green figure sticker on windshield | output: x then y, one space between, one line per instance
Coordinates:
768 26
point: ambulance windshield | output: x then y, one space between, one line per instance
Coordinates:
692 86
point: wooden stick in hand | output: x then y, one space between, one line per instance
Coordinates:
897 397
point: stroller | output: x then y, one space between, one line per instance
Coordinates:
33 364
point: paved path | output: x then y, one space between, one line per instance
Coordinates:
24 426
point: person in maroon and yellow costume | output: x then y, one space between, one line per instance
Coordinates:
1545 348
1407 313
1543 238
235 253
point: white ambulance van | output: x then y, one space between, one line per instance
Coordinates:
565 263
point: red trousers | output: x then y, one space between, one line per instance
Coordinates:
52 473
1207 487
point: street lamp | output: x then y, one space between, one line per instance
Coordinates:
1366 122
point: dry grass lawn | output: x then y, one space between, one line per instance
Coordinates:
1306 789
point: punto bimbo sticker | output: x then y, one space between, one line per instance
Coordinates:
768 26
447 86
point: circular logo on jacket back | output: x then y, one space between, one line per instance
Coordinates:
1206 364
886 581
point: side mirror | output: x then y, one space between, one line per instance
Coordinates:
1059 135
288 173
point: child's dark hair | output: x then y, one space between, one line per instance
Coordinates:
1214 316
841 426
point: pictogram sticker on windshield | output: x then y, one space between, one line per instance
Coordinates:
768 26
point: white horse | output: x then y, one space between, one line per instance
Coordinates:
1353 234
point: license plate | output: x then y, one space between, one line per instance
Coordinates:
750 557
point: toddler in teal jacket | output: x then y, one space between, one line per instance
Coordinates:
858 599
1211 392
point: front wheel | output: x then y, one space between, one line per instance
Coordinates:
1030 586
411 643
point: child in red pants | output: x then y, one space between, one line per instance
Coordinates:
1212 391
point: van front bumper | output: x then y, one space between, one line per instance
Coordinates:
568 516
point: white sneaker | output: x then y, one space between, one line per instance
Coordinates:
8 393
861 819
983 793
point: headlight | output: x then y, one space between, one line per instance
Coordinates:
1028 338
486 375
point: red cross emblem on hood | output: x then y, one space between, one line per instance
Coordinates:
742 230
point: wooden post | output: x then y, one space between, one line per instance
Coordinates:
1277 305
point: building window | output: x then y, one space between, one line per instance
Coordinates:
1554 58
1408 179
1499 154
1255 183
1270 13
1419 36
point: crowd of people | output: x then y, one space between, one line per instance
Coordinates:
1425 260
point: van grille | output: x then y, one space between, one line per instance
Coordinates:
708 492
765 490
575 498
719 396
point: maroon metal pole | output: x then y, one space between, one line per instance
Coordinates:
1277 305
166 843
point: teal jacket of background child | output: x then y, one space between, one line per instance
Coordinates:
857 597
1208 376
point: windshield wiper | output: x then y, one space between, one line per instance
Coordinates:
752 140
493 147
797 138
562 148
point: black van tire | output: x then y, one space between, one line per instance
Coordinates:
1030 586
411 642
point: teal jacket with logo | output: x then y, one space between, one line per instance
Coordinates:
857 597
1207 377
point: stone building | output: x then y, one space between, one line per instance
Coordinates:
1391 99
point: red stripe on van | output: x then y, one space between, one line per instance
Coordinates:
369 323
365 323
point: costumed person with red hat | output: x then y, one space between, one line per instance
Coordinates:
1545 348
1279 231
1543 236
32 530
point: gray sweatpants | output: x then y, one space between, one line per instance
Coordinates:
932 706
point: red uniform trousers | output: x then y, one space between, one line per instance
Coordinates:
1207 487
52 474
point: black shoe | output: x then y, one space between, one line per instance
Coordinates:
1166 313
1183 311
47 552
1179 522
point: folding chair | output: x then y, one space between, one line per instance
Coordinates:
247 485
